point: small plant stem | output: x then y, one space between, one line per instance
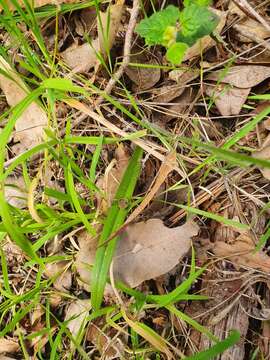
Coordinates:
127 48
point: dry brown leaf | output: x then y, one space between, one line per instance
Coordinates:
242 253
63 276
81 58
139 246
77 311
243 77
263 154
206 42
144 77
8 346
143 243
108 348
84 57
231 94
15 192
113 175
228 100
254 28
29 126
166 94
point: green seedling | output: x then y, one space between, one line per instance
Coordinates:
178 30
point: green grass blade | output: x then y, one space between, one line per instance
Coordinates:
218 348
263 239
76 201
113 221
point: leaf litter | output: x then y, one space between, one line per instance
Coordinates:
81 58
30 125
232 89
176 95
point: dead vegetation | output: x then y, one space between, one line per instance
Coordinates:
92 94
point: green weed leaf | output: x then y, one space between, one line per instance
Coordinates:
197 2
196 22
176 52
154 27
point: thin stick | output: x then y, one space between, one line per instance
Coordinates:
126 56
244 5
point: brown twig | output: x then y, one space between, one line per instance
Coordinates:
249 10
126 56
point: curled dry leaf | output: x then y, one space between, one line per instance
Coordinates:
139 247
242 253
76 314
232 92
84 57
109 183
29 126
15 192
8 346
206 42
263 154
143 77
63 275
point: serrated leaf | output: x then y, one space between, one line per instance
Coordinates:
176 52
154 27
196 22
